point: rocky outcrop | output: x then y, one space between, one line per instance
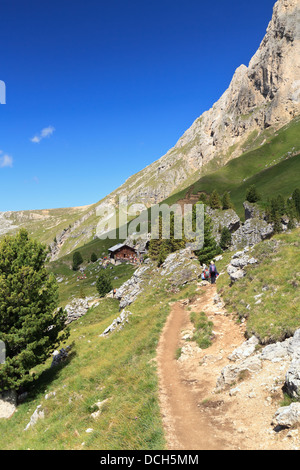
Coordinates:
180 268
252 211
223 218
76 309
252 232
255 228
129 291
241 259
6 225
292 382
118 323
288 416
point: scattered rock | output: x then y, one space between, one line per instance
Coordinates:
50 395
238 262
118 323
38 414
99 406
245 350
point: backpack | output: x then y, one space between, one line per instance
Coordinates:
213 269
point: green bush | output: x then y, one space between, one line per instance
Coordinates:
77 260
252 194
103 284
94 257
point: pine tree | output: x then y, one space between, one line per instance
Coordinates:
77 260
226 201
291 211
155 244
296 199
94 257
210 247
281 205
225 241
31 325
277 222
214 200
160 248
252 194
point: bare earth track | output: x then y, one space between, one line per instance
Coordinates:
195 417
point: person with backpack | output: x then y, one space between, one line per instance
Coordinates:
213 272
205 273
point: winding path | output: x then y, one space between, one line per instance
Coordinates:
182 390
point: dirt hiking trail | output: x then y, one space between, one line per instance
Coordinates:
194 416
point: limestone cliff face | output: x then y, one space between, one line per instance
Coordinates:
265 94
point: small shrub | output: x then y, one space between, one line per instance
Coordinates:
103 284
77 260
178 353
203 334
252 194
94 257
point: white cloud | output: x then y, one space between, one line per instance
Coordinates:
5 160
46 132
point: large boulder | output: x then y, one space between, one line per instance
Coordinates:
245 350
288 416
230 374
253 231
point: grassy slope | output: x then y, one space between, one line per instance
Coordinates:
255 167
71 287
277 277
44 225
120 368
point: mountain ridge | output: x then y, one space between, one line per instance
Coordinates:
260 100
266 94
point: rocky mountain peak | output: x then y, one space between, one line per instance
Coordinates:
266 94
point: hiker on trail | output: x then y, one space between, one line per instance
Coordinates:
205 273
213 272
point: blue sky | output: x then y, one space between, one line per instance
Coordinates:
97 90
